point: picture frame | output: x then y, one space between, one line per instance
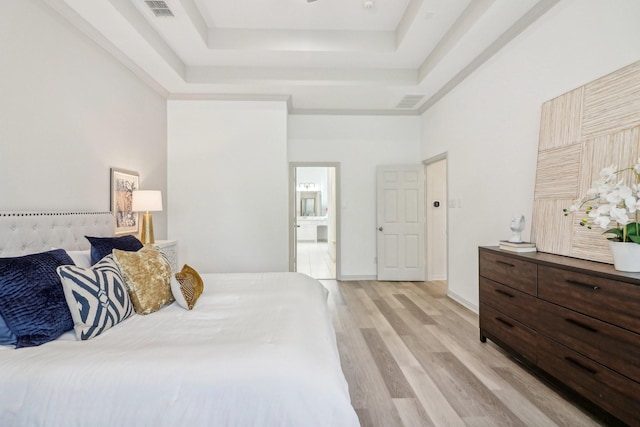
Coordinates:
123 182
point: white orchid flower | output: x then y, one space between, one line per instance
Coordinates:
608 173
619 215
602 210
602 222
618 194
632 204
610 199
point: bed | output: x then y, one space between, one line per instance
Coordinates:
256 350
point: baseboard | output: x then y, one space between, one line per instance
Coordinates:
457 298
347 278
437 278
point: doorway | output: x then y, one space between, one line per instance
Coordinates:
436 218
314 218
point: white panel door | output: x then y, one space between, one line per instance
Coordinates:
401 222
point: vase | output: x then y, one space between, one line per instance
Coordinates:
626 256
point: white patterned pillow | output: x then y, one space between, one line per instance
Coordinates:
97 297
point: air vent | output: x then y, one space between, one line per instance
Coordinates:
409 101
159 8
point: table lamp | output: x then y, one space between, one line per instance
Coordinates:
147 201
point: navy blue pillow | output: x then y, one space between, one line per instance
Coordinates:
32 301
7 337
102 246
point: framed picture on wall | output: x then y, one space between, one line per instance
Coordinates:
122 185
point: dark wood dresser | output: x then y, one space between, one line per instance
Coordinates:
578 321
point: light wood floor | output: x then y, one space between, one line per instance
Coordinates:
412 357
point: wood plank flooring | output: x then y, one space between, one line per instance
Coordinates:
412 357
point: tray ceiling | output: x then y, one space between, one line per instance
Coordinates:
325 56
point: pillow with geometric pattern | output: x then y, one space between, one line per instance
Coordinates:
97 297
186 287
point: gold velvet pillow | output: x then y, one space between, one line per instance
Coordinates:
147 275
187 286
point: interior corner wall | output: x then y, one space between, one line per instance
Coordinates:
68 113
489 124
359 144
228 180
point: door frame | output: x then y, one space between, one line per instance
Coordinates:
292 211
427 162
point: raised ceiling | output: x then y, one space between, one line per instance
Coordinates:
324 56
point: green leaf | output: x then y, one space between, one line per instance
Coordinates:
632 229
617 232
634 238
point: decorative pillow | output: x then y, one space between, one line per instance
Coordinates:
7 337
81 258
147 275
97 297
102 246
186 287
31 298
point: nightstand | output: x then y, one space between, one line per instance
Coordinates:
170 249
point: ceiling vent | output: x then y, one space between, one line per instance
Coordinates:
409 101
159 8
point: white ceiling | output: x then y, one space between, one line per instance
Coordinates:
325 56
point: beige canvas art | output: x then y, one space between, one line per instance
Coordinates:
581 132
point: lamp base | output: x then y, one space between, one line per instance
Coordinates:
146 237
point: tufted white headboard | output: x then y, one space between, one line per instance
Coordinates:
24 233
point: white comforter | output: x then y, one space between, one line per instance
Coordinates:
256 350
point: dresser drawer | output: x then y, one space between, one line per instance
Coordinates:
610 345
609 390
517 305
509 331
608 300
515 273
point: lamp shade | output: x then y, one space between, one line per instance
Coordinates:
146 201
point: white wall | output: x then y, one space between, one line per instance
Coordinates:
227 179
359 144
68 112
489 124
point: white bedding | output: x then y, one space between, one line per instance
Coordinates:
256 350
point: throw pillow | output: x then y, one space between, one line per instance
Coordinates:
147 275
97 297
186 287
102 246
31 298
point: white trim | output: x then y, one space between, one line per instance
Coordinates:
348 278
457 298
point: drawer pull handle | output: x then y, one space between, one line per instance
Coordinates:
580 365
504 263
504 322
584 285
507 294
580 325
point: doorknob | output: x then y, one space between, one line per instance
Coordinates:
380 228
